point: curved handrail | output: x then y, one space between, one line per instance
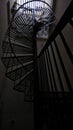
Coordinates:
13 19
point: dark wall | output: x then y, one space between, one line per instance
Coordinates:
14 113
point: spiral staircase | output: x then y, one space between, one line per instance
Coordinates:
18 45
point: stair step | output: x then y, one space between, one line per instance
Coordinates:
25 84
22 78
23 40
17 55
17 48
26 90
11 60
16 33
18 44
6 48
19 73
18 37
13 68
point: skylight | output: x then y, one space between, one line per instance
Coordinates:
36 2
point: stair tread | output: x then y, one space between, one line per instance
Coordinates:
23 77
17 55
10 69
18 44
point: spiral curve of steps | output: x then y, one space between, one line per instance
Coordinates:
18 54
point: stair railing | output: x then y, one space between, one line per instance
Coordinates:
54 75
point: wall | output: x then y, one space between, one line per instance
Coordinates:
59 8
3 17
14 113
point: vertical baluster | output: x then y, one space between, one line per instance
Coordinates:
63 68
53 78
49 72
48 85
57 70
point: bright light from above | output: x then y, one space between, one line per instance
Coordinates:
36 3
37 10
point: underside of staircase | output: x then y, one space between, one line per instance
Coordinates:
18 46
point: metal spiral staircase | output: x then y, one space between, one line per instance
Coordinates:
18 46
